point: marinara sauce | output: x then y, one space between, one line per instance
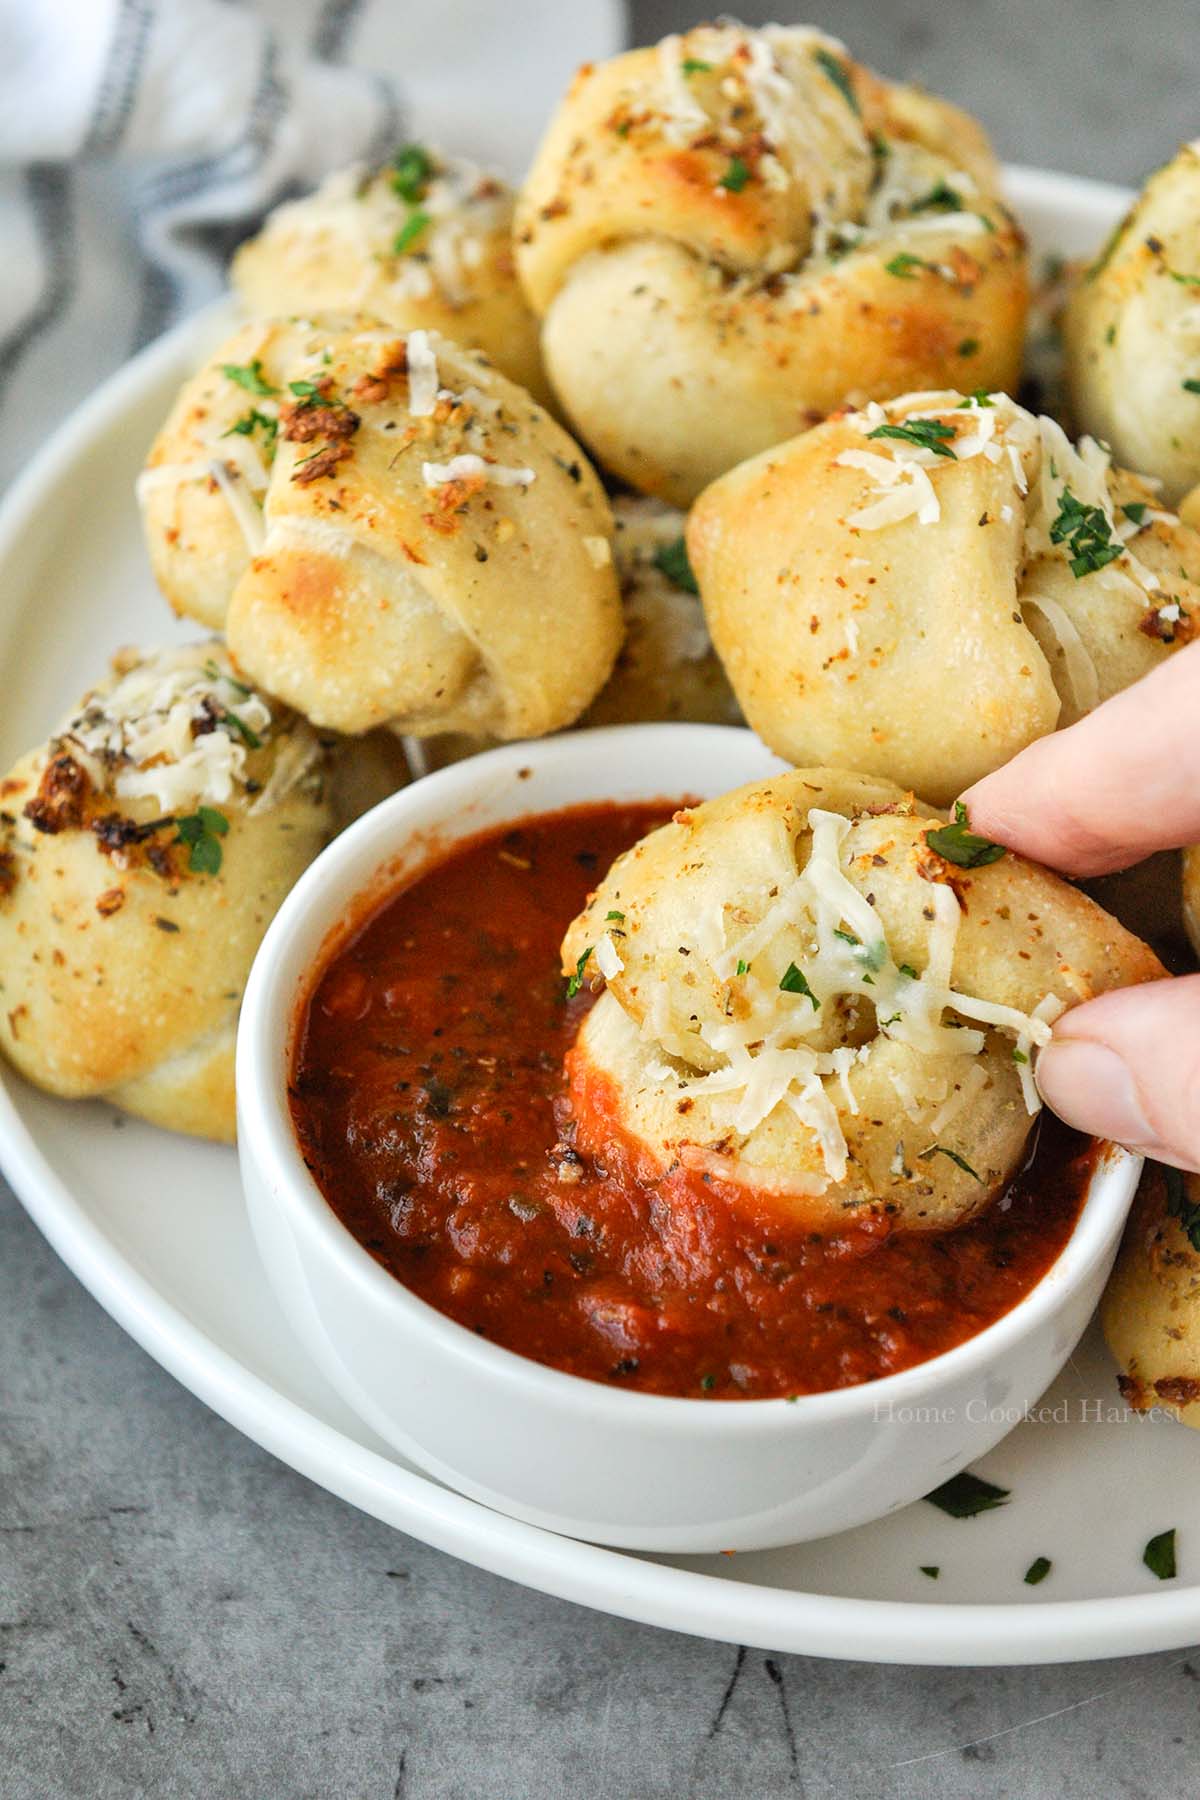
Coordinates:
429 1098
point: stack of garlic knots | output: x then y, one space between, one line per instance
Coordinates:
423 243
919 589
389 532
813 992
731 234
143 852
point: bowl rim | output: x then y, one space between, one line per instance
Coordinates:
266 1136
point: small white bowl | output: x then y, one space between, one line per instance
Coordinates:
640 1471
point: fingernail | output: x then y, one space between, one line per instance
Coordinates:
1090 1087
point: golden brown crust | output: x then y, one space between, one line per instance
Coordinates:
447 568
723 256
933 648
1132 332
336 251
124 952
1151 1306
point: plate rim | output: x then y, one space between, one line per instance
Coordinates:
965 1634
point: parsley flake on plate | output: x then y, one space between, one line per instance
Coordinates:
1159 1555
1038 1570
965 1495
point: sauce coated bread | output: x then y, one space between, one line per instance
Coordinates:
817 989
389 532
422 243
731 234
920 589
143 852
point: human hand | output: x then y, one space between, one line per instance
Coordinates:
1108 791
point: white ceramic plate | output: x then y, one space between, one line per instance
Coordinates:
155 1227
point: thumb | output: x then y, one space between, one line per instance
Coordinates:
1127 1067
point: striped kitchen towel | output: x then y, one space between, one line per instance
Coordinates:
141 140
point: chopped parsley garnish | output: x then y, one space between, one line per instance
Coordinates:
412 171
409 232
794 981
736 175
904 266
979 397
836 72
307 392
872 956
743 968
576 981
907 969
202 832
959 845
250 738
249 376
1102 261
965 1495
672 561
968 347
1191 385
708 1383
1180 1207
618 916
1038 1570
941 198
1136 510
959 1161
217 674
253 421
1086 532
1159 1555
1182 279
695 65
933 1570
927 434
1019 1056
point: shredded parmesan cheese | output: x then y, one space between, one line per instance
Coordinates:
422 375
175 727
464 468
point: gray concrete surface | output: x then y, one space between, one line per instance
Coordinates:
182 1616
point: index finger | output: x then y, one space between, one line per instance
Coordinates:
1109 790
